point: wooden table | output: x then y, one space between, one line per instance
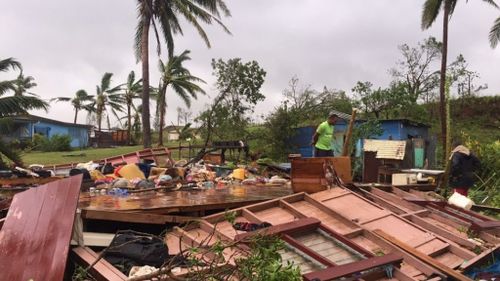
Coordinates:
184 201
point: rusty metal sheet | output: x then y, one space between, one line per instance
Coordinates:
34 241
185 201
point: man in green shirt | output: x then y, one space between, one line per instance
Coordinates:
322 138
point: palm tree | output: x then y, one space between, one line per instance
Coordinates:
15 104
164 15
430 12
174 74
78 102
107 97
23 84
12 105
132 91
495 33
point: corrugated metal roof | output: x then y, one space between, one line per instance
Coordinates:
342 115
386 149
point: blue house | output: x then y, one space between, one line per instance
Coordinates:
26 126
395 129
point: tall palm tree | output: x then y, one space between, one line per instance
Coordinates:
23 84
175 75
11 105
164 15
81 101
107 99
495 33
430 12
132 91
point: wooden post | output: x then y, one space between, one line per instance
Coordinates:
345 150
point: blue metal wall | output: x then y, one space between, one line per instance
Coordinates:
395 129
79 135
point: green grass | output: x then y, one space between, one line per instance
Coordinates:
45 158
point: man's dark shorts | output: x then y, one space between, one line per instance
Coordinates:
322 153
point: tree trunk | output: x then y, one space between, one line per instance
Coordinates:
146 21
129 125
442 98
162 119
76 115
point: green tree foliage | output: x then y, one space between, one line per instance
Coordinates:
12 105
463 78
180 79
415 69
165 18
107 99
81 101
238 84
23 84
382 102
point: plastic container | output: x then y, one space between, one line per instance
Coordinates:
461 201
239 174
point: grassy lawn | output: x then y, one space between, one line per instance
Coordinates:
45 158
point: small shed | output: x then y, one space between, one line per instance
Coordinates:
26 126
421 147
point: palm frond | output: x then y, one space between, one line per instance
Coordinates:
430 12
6 86
106 81
20 104
495 33
10 63
491 2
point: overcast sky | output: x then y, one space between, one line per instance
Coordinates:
69 45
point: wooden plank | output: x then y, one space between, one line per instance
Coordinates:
285 228
346 270
134 217
37 231
448 271
102 270
442 232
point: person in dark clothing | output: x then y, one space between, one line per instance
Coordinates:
463 165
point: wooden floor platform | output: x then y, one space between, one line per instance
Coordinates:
184 201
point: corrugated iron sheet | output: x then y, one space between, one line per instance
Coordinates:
386 149
34 241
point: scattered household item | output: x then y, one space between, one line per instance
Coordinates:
130 172
130 248
461 201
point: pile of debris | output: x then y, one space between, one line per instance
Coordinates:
336 230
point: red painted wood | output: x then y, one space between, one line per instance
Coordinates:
34 240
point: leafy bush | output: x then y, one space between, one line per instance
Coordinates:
55 143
